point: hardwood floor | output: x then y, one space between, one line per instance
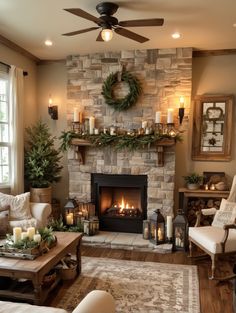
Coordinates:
215 297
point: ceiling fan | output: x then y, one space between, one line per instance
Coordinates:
109 23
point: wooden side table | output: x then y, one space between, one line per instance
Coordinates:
185 193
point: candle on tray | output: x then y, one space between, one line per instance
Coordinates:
16 234
37 238
91 124
170 116
76 115
169 226
31 232
24 235
158 117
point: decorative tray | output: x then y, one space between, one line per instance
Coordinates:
26 254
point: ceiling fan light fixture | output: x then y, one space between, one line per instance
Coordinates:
176 35
107 34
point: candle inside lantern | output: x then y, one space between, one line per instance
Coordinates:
76 115
69 219
91 124
31 232
159 234
37 237
170 116
158 117
16 234
169 226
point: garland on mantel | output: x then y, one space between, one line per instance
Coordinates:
124 141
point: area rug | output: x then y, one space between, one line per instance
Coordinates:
138 287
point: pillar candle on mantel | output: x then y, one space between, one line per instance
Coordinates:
31 232
170 116
91 124
76 115
158 117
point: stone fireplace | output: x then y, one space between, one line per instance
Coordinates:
165 75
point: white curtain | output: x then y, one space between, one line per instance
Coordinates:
16 129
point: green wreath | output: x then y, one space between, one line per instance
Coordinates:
130 99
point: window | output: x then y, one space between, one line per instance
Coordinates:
4 131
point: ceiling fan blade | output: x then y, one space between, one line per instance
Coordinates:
99 37
83 14
147 22
131 35
80 31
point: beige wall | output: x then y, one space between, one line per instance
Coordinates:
211 75
52 79
11 57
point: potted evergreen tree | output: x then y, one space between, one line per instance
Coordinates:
42 162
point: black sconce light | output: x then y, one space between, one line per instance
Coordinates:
52 110
181 110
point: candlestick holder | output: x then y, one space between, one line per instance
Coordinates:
181 115
159 128
171 129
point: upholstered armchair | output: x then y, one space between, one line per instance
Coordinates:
218 239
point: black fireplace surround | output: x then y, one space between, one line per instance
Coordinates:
107 192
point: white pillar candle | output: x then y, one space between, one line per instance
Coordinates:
96 131
91 124
31 232
144 124
24 235
158 117
169 226
76 115
170 116
37 237
69 219
16 234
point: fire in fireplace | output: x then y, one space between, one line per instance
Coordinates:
120 201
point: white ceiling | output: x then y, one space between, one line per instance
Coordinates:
203 24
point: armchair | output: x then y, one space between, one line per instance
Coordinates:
219 239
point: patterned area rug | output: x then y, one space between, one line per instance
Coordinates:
138 287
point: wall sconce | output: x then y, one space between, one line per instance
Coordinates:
52 110
181 109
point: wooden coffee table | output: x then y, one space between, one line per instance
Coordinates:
34 270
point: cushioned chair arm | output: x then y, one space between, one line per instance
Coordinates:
205 212
41 212
226 234
199 215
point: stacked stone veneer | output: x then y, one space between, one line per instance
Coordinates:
165 75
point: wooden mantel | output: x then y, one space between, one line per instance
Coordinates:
80 144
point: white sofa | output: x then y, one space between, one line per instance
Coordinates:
97 301
40 213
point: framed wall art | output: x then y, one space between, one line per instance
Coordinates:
212 128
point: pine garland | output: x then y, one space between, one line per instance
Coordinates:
119 142
130 99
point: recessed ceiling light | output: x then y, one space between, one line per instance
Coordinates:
48 42
175 35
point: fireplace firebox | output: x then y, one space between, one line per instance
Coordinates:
120 201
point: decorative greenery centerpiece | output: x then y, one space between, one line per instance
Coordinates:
130 99
120 141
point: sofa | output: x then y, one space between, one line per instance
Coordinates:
18 211
97 301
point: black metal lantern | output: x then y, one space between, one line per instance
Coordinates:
157 228
180 232
70 209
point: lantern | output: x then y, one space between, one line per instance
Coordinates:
180 232
146 229
91 227
157 228
70 209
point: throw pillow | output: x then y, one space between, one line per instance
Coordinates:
4 223
225 215
19 205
